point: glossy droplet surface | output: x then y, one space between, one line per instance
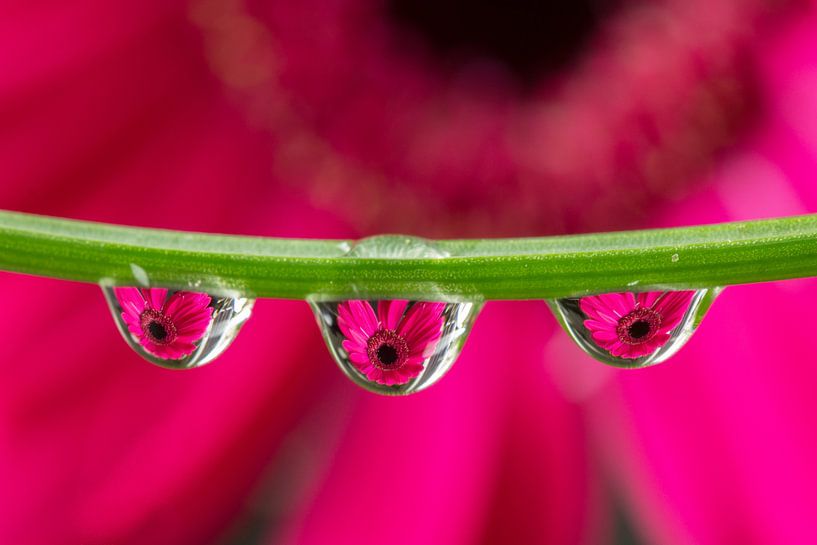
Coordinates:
394 347
176 329
395 247
633 329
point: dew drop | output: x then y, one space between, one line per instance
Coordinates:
176 329
394 347
396 247
633 329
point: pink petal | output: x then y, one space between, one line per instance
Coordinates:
357 316
132 320
608 307
594 325
155 297
173 351
608 344
184 304
646 299
605 335
672 307
617 349
352 346
356 335
359 357
376 375
423 341
131 301
418 323
198 321
408 372
389 312
192 299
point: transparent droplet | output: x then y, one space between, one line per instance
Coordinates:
176 329
395 247
394 347
633 329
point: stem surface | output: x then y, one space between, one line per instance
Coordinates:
522 268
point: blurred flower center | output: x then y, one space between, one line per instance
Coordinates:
532 38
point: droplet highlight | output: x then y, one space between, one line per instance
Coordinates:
395 347
633 329
176 329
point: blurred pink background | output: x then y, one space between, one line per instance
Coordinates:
343 118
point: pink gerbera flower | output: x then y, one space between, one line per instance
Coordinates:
632 325
165 327
390 347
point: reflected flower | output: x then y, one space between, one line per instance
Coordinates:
390 347
166 327
632 325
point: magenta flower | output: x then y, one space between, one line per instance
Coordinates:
390 348
632 325
165 327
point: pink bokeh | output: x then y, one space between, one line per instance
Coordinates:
141 114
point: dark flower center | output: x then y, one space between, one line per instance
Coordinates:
639 326
639 329
158 328
387 350
531 38
387 354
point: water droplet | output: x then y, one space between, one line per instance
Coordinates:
140 275
176 329
394 347
395 247
633 329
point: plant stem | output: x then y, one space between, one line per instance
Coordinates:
522 268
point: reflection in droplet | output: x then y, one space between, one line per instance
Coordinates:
176 329
633 329
394 347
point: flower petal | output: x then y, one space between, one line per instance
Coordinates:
646 299
609 307
421 325
594 325
360 358
131 301
390 311
183 303
351 345
672 307
155 297
357 317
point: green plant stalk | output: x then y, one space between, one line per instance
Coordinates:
480 269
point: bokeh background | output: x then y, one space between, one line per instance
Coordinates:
344 118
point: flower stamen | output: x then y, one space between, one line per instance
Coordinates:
387 350
639 326
158 328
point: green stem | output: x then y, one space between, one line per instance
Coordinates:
524 268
